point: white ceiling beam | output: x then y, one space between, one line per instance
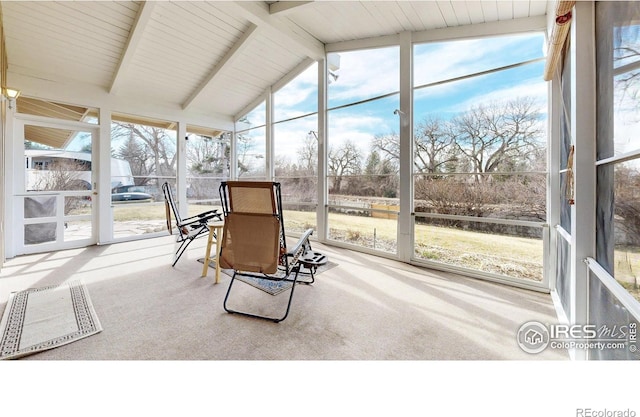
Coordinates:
135 36
227 60
285 7
92 95
299 69
287 32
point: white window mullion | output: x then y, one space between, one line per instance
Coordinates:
405 223
104 211
321 212
181 168
554 194
583 130
269 158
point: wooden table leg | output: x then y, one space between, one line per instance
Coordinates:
207 256
218 242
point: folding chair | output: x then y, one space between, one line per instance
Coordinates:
188 229
254 243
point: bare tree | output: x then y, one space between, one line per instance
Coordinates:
308 155
208 155
432 146
244 145
380 177
343 161
498 136
388 147
150 148
139 159
627 203
65 175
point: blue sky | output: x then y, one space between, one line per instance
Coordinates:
374 72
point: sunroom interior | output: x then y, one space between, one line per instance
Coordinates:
490 141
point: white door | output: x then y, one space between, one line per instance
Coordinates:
54 186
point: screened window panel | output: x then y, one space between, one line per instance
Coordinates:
509 250
563 274
618 69
464 57
499 196
363 75
612 321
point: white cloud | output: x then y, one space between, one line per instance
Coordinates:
366 74
534 88
294 96
302 89
446 60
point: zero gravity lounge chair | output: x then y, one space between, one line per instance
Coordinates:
188 229
254 243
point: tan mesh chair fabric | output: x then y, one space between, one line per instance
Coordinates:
252 197
251 242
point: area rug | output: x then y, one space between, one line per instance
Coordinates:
270 286
39 319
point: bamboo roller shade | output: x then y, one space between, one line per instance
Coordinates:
558 37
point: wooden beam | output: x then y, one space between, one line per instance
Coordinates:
299 69
229 57
135 36
286 31
285 7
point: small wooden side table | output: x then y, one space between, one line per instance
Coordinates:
215 228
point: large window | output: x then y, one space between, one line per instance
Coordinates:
618 142
251 151
295 148
563 230
362 145
145 157
479 167
208 164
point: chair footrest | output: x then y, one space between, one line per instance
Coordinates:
312 259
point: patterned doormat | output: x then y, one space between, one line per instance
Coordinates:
39 319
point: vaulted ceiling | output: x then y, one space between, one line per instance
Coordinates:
207 56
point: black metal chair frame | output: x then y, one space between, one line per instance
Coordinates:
290 262
189 228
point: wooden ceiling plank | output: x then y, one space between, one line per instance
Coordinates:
476 14
505 9
489 10
226 61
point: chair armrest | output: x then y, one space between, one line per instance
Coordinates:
302 242
201 218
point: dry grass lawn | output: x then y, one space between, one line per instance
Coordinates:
507 255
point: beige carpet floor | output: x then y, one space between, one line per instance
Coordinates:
365 308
